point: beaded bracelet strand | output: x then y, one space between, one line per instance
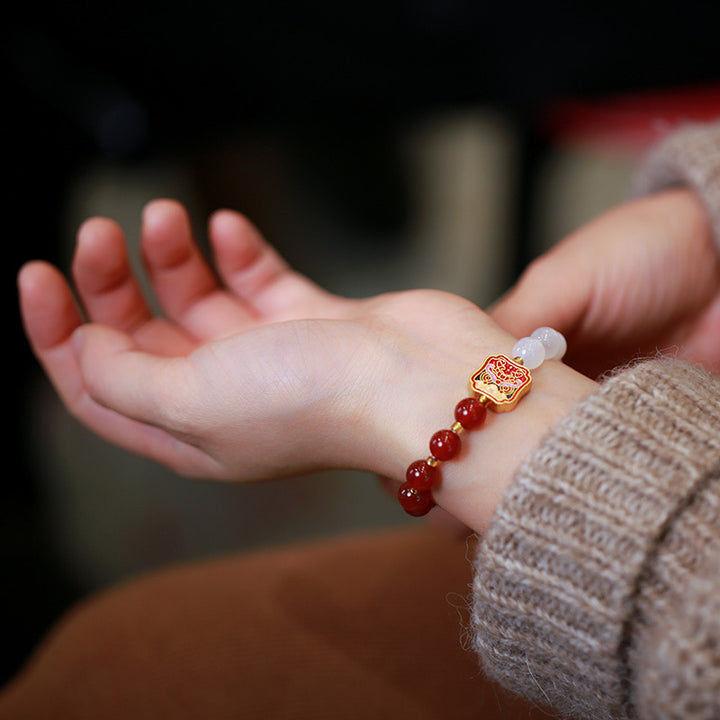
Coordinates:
498 384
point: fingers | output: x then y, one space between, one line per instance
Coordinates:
91 393
182 279
253 286
52 321
50 317
247 264
197 308
183 282
104 279
111 294
260 277
48 308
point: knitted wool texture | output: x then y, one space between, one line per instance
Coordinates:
578 582
690 157
677 663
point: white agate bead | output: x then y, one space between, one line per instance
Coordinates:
553 341
531 351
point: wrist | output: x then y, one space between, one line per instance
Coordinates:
474 484
419 391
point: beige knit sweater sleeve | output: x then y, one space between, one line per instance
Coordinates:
597 588
689 157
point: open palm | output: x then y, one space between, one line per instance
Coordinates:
251 366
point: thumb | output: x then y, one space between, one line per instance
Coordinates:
118 375
550 292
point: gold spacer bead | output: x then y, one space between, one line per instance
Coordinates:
457 428
432 461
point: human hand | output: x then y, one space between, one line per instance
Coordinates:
254 372
111 372
642 277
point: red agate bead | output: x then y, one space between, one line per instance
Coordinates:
415 494
422 476
470 413
415 502
445 444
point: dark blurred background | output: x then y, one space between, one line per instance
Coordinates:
299 115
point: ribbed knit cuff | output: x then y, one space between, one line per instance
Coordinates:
689 157
560 571
675 653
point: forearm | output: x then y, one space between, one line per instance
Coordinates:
574 568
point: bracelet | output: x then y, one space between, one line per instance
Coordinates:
498 384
